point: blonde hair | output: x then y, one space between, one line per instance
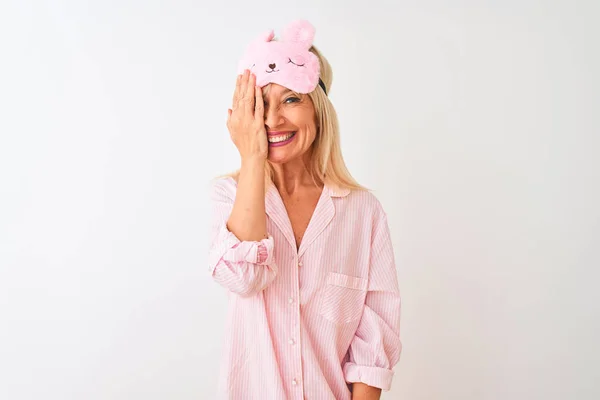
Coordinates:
327 163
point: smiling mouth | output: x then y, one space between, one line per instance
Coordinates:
281 138
273 70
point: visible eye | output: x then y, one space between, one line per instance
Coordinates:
293 100
300 65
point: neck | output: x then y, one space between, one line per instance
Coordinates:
293 175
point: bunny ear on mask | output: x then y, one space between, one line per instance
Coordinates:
301 32
264 37
286 62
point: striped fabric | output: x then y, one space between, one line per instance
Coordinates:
306 323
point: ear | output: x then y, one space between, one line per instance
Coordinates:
301 32
264 37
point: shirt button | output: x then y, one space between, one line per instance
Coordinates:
290 300
300 264
294 382
292 341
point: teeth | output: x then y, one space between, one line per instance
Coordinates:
281 138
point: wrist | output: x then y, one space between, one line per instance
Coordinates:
253 162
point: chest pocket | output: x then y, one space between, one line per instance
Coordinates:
343 298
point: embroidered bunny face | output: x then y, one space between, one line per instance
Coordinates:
287 62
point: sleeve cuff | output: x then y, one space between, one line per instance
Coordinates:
230 248
254 252
372 376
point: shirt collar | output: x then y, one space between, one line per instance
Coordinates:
336 191
332 189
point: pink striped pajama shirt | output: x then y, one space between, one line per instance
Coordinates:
306 323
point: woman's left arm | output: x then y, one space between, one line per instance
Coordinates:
362 391
376 346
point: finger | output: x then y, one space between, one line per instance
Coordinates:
250 95
236 92
250 87
243 85
241 99
259 107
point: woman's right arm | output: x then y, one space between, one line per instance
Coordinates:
241 249
246 125
248 220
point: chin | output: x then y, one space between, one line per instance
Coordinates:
278 157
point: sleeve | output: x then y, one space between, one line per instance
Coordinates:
242 267
376 346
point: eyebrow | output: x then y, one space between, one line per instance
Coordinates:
288 91
285 93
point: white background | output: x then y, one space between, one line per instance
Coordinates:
474 122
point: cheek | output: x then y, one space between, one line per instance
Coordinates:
309 133
311 129
309 125
304 120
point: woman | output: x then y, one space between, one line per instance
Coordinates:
304 251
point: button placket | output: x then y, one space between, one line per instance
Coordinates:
294 341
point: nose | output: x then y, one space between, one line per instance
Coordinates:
272 66
273 118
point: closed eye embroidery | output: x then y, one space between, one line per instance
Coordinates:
299 65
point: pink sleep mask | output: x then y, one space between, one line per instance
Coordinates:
287 62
